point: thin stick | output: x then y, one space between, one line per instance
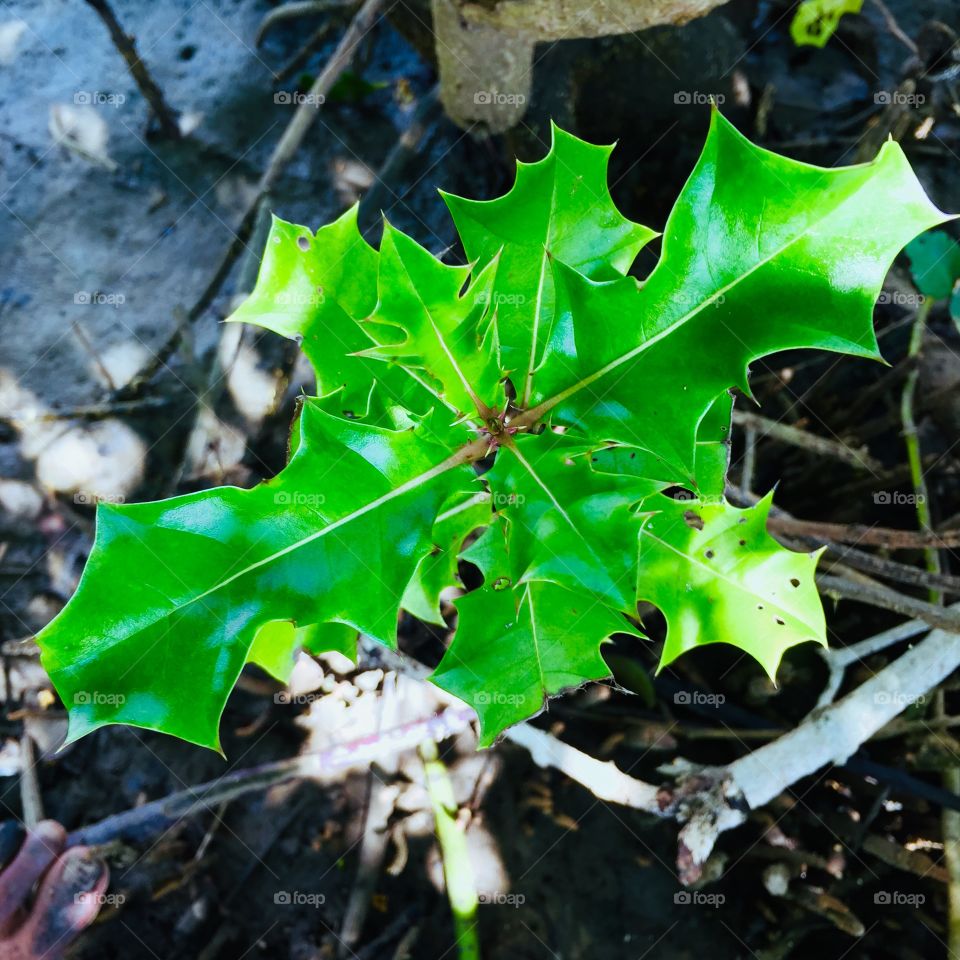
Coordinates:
857 533
30 800
894 27
876 595
283 153
794 436
138 69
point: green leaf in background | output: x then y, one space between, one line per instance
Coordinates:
935 263
719 577
559 206
621 391
816 21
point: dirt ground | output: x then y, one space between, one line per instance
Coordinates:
139 225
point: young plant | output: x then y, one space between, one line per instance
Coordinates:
592 394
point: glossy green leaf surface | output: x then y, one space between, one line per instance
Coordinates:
164 651
514 648
760 254
718 576
428 320
524 413
559 206
314 288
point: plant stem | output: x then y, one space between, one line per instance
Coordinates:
912 440
457 872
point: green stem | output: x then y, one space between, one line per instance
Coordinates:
457 871
912 440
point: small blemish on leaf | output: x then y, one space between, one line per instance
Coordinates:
742 543
693 520
794 582
501 583
780 622
708 554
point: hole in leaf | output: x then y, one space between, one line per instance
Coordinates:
303 243
709 554
794 582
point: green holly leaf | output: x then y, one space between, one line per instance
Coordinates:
515 648
314 288
816 21
935 263
719 577
760 254
559 206
450 335
565 523
164 651
537 392
437 571
277 643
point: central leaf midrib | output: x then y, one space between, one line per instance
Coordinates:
471 392
456 459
